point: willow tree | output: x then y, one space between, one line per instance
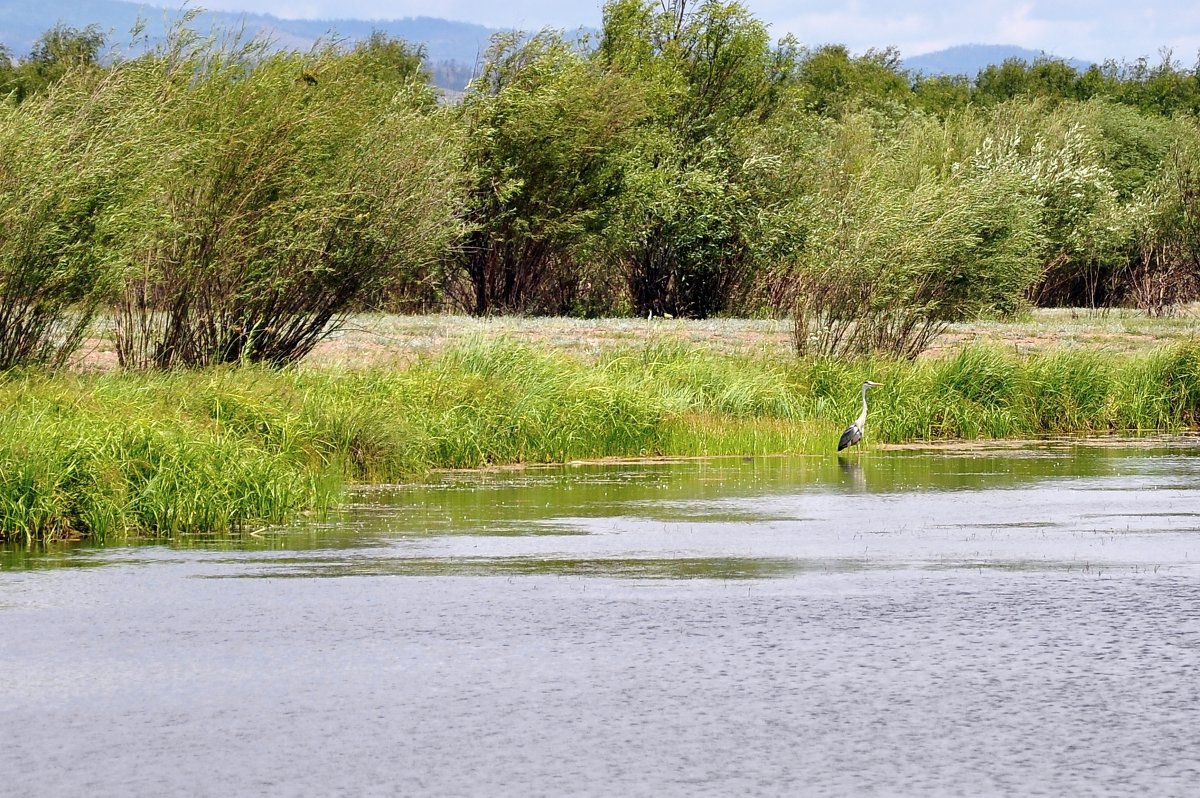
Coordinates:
544 125
53 190
57 53
274 191
690 214
906 227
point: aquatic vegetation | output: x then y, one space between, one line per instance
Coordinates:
228 449
121 455
987 391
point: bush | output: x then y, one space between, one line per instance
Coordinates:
275 191
690 232
542 123
1166 268
901 242
59 175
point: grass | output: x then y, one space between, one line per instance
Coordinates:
118 454
216 452
985 391
389 341
385 339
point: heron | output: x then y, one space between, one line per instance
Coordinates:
854 432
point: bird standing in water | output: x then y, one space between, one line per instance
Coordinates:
854 432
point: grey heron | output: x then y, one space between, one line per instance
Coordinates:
854 432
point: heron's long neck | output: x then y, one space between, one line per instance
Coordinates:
862 417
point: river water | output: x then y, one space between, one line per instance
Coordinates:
907 622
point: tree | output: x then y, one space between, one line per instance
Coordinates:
60 174
835 83
1166 268
543 125
995 84
941 95
686 238
1167 89
273 192
1053 79
390 60
54 54
6 69
909 226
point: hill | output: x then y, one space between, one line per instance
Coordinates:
452 48
462 43
969 59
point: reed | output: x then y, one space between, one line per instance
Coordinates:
990 392
116 456
224 450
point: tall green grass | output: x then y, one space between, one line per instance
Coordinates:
223 450
990 392
94 457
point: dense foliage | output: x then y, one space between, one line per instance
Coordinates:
225 202
230 203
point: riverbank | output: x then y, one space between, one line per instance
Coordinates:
110 453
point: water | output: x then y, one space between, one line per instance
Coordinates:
984 622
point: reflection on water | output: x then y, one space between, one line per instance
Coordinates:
898 622
852 472
625 567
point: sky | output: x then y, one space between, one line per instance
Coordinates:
1089 29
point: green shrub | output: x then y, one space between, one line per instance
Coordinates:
274 191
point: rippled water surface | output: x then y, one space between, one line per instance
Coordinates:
988 622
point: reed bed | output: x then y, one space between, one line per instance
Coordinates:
225 450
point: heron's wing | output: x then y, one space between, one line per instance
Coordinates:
851 436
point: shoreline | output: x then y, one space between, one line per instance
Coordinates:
225 450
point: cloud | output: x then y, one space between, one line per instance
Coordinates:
1020 26
1092 29
508 14
852 28
1017 27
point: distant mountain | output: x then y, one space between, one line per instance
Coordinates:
969 59
23 21
452 48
